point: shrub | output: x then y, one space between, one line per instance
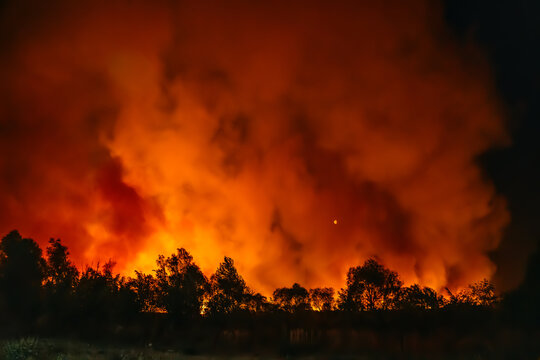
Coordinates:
22 349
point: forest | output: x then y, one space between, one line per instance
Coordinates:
42 293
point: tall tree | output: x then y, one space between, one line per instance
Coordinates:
321 299
60 272
22 271
61 279
95 292
295 298
416 297
256 302
229 290
181 285
481 293
370 286
145 289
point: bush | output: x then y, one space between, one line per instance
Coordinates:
22 349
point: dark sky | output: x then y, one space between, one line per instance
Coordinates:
509 31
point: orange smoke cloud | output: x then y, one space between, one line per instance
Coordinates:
245 130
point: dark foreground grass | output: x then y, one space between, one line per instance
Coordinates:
68 349
59 349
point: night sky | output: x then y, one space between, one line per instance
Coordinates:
299 139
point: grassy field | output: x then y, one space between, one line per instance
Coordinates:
47 349
64 349
54 349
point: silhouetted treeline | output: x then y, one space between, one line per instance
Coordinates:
45 293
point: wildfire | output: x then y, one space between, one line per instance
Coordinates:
133 129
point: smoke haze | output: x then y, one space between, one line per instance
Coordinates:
245 129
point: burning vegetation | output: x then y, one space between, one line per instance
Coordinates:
178 306
302 139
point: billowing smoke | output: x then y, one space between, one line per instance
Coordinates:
298 138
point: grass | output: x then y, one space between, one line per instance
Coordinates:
47 349
64 349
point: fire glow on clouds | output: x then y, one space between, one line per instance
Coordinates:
245 129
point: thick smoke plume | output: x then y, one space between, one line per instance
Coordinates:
245 129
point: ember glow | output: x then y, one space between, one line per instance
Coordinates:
299 139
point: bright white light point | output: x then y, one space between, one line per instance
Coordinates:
335 222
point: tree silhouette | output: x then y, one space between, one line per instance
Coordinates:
229 292
61 273
321 299
125 302
181 285
481 293
96 291
256 302
416 297
61 279
145 288
99 302
370 287
295 298
22 270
